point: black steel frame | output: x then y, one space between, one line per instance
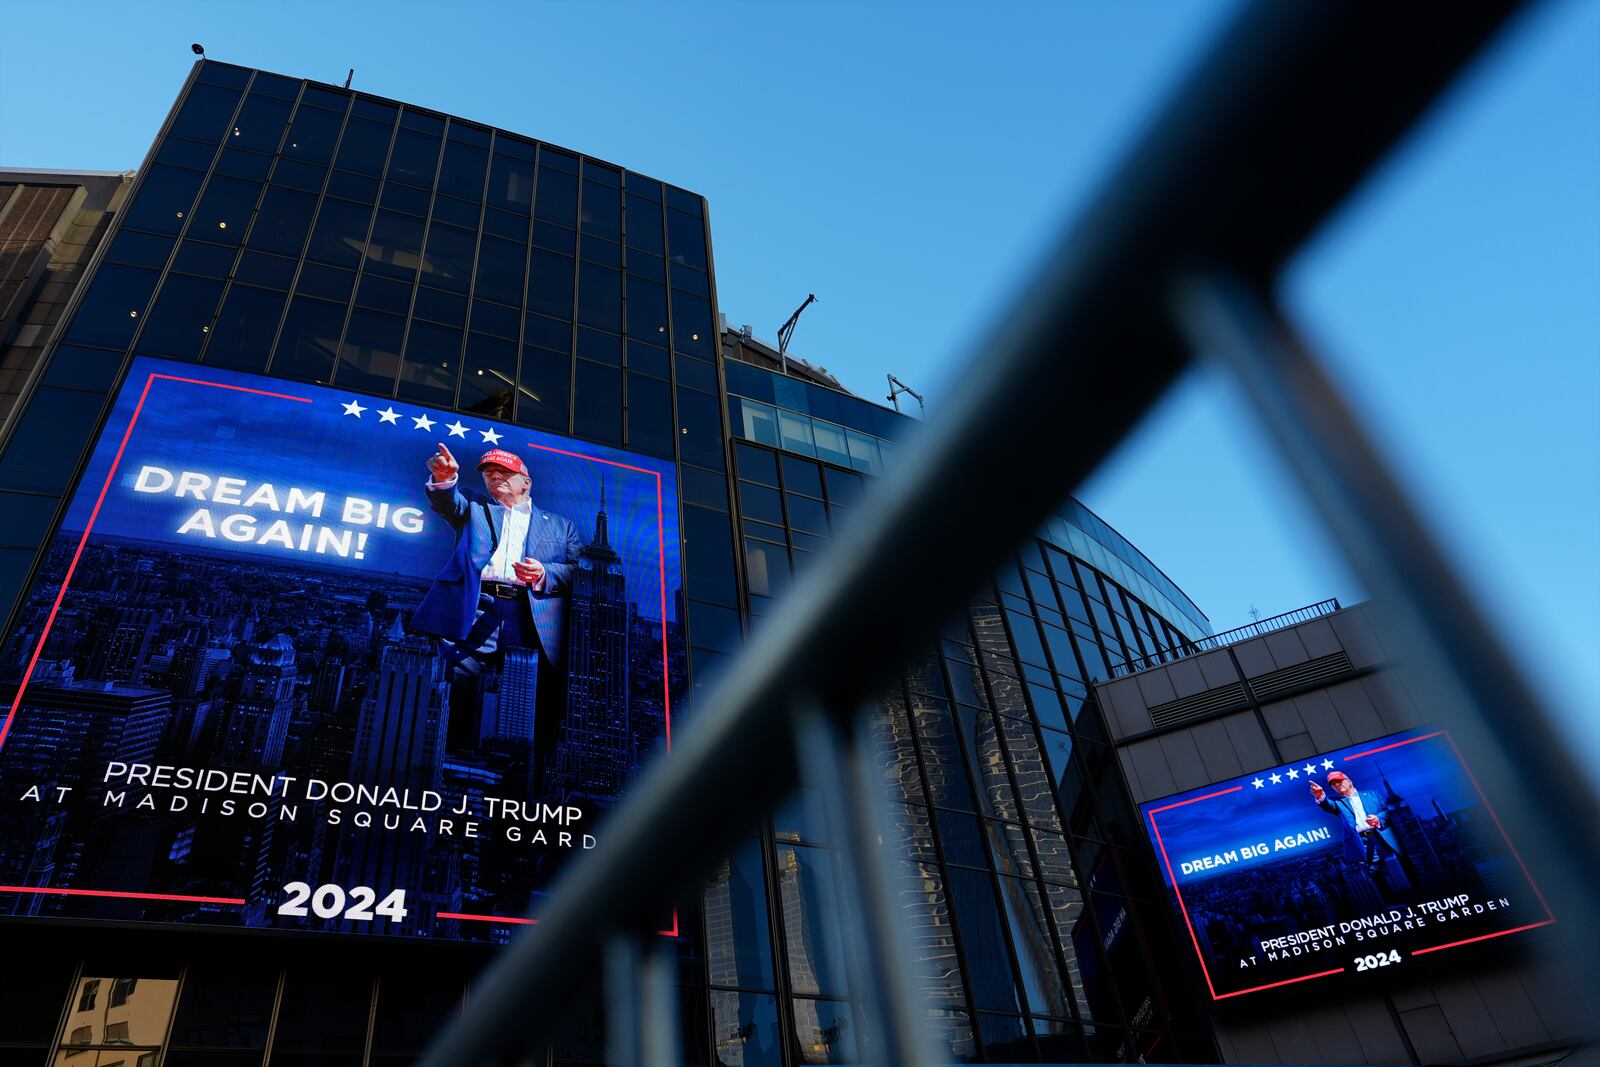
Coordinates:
1297 102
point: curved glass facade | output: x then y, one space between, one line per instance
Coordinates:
319 235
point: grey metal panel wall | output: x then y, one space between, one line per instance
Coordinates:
1501 1009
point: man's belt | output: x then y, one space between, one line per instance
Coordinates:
503 590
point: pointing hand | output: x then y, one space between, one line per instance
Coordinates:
443 465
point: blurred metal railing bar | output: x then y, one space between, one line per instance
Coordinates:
641 1002
1449 657
836 761
1285 115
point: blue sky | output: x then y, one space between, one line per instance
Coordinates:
908 163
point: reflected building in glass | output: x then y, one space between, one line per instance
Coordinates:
310 233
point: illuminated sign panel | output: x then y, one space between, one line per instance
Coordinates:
1360 859
301 658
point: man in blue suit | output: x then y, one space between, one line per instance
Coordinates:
1368 839
505 585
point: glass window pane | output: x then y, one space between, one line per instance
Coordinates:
686 239
699 429
242 336
312 135
602 211
395 248
824 1032
363 147
432 364
739 946
259 124
55 424
597 403
864 452
224 210
488 379
205 113
691 325
165 200
542 399
413 158
756 464
111 311
447 263
760 423
708 555
500 268
644 225
511 184
650 415
181 318
550 282
811 929
225 1009
309 340
180 153
461 173
282 222
252 166
140 250
384 295
744 1029
340 233
600 297
128 1011
323 1013
556 197
545 332
647 311
795 431
369 358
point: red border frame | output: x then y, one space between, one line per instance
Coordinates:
88 528
1184 910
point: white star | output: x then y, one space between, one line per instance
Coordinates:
1327 764
354 408
1258 783
1275 778
1311 768
389 414
456 429
422 422
490 437
1293 774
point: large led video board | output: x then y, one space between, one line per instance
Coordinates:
305 659
1363 859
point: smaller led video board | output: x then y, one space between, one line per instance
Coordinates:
1361 859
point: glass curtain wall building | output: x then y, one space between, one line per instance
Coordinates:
317 235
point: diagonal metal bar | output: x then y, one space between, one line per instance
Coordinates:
1227 174
1448 653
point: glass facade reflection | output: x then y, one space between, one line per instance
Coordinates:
315 234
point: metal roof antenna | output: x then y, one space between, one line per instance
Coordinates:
348 78
896 387
786 331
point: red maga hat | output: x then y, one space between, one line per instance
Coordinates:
1338 776
499 457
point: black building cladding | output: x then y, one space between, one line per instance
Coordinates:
308 233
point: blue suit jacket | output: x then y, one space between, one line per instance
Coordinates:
451 606
1354 849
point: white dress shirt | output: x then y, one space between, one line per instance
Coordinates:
1358 809
513 541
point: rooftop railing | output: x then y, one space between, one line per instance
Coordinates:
1230 637
1174 259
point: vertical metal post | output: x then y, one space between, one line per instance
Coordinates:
641 1003
836 763
1448 653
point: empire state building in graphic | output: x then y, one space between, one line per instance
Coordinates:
594 756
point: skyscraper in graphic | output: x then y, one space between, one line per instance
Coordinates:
120 643
260 704
595 753
514 708
400 742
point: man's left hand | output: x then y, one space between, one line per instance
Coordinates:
1372 821
529 570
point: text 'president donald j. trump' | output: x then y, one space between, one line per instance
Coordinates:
505 585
